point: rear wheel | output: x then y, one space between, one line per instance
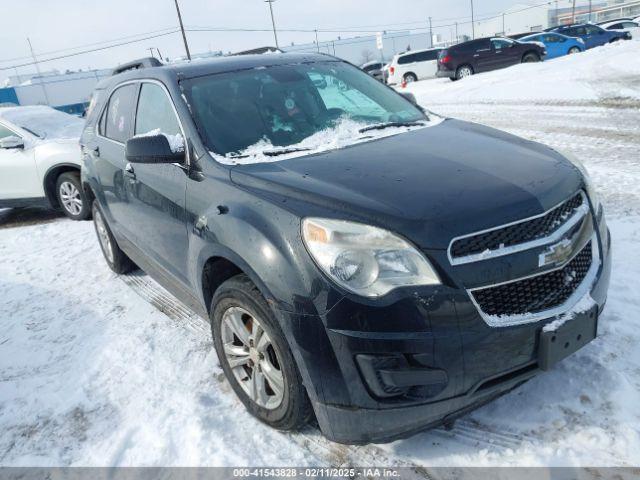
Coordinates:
410 77
573 50
71 196
464 71
255 356
116 258
530 57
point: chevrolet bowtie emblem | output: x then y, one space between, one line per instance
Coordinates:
556 254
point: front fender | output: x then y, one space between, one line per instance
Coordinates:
264 241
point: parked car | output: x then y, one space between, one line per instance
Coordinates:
486 54
375 69
633 28
557 44
413 65
40 160
592 35
357 257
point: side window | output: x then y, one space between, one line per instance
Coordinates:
579 31
5 132
155 111
117 117
407 59
591 30
427 56
499 44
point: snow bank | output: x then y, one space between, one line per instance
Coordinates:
589 76
44 122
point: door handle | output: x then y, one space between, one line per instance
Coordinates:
96 152
129 171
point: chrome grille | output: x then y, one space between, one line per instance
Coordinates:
519 235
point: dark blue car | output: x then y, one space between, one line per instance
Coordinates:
592 35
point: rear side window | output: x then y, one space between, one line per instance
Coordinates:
116 119
155 111
591 29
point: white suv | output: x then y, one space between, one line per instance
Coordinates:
40 160
413 65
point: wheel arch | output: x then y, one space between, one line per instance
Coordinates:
532 52
51 177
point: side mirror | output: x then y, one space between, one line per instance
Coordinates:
409 96
11 142
155 149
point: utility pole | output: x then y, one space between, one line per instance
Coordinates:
456 32
273 22
184 35
35 62
473 27
557 23
430 34
317 44
504 32
589 10
573 12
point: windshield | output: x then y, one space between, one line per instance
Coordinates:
281 106
44 122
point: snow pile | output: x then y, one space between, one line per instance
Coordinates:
585 304
346 132
596 74
176 142
44 122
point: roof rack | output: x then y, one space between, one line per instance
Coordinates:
147 62
259 51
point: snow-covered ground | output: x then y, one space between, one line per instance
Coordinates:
101 370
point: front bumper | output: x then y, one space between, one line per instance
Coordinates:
435 335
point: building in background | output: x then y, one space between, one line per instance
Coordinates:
69 92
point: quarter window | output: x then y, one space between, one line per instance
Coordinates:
5 132
117 117
155 111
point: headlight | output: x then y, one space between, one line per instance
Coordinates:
366 260
591 192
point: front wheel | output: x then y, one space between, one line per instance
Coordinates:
71 196
574 50
530 58
255 356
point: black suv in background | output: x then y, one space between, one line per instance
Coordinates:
486 54
359 259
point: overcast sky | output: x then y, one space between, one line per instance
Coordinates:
64 24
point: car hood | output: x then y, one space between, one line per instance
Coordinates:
429 184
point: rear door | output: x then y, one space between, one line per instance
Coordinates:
595 36
427 64
482 56
114 129
18 174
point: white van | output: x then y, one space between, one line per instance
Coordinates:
413 65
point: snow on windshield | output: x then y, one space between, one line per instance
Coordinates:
44 122
344 133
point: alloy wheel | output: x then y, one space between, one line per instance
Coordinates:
252 357
103 236
465 72
70 197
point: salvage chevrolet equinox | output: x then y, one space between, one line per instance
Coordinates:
361 260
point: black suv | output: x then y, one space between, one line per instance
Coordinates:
359 259
486 54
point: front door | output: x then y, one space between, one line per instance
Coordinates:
505 53
157 191
18 174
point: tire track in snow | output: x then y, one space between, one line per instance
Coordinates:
310 438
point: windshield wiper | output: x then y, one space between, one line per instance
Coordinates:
382 126
283 151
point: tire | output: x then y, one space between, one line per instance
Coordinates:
238 313
115 258
530 58
410 77
71 196
574 50
464 71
